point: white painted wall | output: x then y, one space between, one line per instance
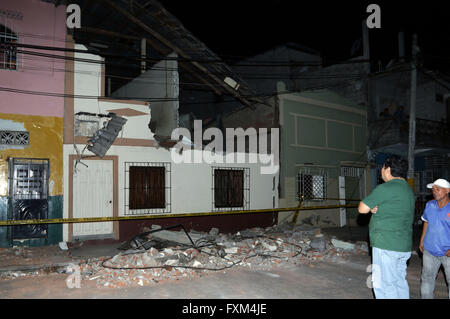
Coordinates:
160 82
191 184
136 126
87 80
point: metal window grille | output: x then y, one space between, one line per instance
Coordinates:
356 172
312 184
147 191
28 190
28 178
14 138
230 188
9 58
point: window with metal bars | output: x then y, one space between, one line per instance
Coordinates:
8 49
231 188
28 178
147 188
312 184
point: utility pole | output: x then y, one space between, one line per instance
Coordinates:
412 113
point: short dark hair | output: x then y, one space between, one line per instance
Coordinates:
398 165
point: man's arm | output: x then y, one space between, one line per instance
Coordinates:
364 209
424 231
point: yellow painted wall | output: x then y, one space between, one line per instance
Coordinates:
46 140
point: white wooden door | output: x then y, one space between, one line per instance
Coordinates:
93 196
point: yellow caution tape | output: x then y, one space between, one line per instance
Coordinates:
140 217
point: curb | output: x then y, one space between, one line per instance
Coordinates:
31 268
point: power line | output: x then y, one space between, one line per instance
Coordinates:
76 96
246 75
259 63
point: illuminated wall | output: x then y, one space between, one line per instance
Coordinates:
28 104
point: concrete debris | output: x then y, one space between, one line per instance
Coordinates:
342 244
214 232
362 245
269 247
254 232
177 236
231 250
258 249
318 243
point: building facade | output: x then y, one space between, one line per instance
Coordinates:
31 120
140 176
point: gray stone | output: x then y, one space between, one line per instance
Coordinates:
149 261
318 243
183 259
362 245
231 250
255 232
342 244
269 247
214 231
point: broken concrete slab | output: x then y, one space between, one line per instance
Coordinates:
177 236
231 250
252 232
342 244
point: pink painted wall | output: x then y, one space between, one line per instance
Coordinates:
42 24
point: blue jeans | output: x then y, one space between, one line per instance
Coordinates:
430 268
389 274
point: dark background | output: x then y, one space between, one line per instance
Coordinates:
235 29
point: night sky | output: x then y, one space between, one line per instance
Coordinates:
234 28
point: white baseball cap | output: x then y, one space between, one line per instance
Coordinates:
440 182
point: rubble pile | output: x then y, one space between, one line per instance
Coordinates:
164 255
256 249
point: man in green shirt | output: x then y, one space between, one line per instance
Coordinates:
390 229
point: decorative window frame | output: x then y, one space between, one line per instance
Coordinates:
17 138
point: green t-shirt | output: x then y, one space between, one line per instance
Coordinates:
391 227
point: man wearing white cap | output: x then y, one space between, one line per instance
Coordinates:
435 240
